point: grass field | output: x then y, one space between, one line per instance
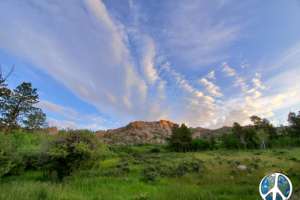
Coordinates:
219 179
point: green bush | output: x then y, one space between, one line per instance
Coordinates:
151 176
72 150
200 144
11 157
118 149
181 170
135 152
198 167
155 150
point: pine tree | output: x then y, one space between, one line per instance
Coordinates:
35 120
181 138
186 137
18 104
175 138
212 139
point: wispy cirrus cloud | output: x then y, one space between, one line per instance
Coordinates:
137 65
67 112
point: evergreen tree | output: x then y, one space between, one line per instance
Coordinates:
175 138
18 104
186 137
181 138
35 120
212 139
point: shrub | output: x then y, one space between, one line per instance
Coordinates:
11 158
135 152
123 154
165 172
198 167
70 151
146 170
121 164
119 172
151 176
126 169
181 170
155 150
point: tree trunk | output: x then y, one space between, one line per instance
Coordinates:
10 124
183 150
13 118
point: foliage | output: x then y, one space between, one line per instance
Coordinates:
118 149
11 158
35 120
155 150
232 141
200 144
212 139
294 122
72 150
18 104
181 138
135 152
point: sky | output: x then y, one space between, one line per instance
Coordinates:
102 64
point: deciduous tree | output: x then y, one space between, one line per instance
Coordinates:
294 122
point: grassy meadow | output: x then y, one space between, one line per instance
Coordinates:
121 177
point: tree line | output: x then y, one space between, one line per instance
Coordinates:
259 135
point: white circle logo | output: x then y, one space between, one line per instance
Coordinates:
275 186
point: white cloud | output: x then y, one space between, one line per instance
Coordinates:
240 81
257 83
68 112
211 75
229 71
69 124
211 88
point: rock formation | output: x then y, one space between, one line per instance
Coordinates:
138 131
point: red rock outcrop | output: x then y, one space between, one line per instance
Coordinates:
139 131
197 135
52 130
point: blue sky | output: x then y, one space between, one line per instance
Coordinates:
102 64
